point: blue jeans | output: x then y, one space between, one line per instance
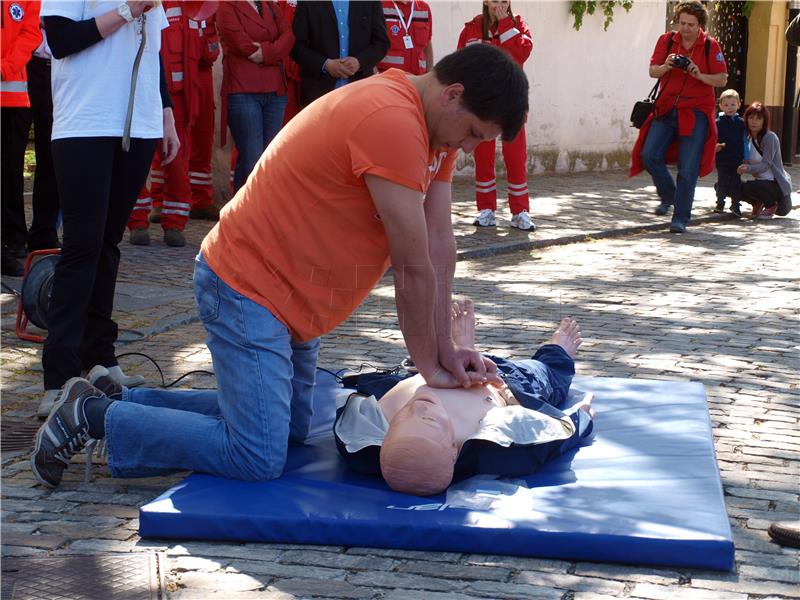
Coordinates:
254 120
661 134
241 430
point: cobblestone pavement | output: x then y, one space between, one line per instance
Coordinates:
717 305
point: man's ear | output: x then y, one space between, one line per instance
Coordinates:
451 94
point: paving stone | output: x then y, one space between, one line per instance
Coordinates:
47 542
407 554
415 595
230 582
383 579
518 563
463 572
513 591
325 588
9 550
663 592
250 552
274 569
572 582
338 561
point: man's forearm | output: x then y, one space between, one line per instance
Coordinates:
415 295
443 257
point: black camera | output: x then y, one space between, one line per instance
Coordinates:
681 62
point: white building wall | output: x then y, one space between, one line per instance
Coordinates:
583 83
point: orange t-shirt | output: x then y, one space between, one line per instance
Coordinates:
302 237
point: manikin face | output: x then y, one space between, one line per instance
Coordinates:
729 105
423 416
456 127
688 26
755 123
419 451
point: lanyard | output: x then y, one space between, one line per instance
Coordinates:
400 16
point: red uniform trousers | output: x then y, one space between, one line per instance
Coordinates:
515 158
202 140
169 184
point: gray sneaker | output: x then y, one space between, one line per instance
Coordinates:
64 434
100 378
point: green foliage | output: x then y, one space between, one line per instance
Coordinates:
747 9
578 8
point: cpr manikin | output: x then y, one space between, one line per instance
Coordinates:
427 427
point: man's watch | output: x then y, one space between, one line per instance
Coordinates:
124 11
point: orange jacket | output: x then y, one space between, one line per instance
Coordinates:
20 36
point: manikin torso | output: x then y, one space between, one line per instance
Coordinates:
466 407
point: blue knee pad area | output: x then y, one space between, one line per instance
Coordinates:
645 490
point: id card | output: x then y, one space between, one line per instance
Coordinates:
408 42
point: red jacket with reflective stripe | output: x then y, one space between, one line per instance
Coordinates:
20 36
411 60
512 35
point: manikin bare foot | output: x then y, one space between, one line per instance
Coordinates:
568 336
463 324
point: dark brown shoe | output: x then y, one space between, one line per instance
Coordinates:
785 533
174 237
207 213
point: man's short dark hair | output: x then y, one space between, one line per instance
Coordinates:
495 87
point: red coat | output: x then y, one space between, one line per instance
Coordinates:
242 31
691 95
19 37
511 35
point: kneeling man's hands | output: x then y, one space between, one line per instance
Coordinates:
463 367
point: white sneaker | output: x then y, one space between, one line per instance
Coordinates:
47 403
522 220
127 380
485 218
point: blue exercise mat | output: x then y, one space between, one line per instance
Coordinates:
646 490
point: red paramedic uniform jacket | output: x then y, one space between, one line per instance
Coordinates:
512 35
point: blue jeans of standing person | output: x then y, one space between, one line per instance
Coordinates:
241 430
254 119
662 133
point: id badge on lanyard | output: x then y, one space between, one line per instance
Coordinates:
408 42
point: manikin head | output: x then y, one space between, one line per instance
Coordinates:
419 451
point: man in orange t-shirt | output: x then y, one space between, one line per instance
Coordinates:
359 180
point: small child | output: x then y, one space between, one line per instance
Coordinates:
730 152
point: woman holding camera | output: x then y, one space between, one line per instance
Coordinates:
682 128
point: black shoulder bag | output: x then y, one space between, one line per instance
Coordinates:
643 108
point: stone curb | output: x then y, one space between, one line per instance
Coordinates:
530 244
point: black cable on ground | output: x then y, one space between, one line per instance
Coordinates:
164 383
